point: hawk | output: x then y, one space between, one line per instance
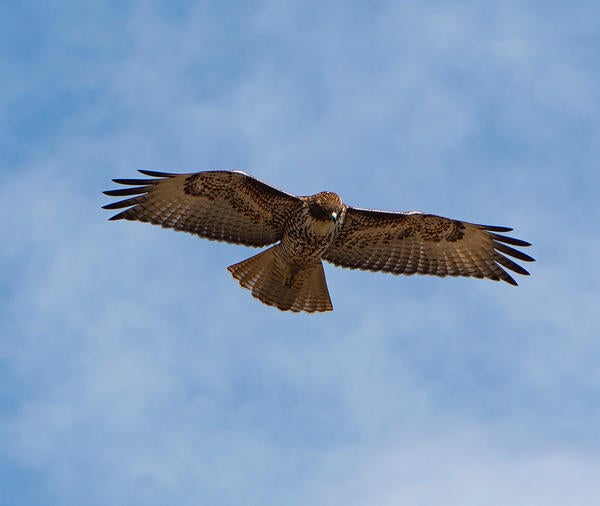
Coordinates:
235 207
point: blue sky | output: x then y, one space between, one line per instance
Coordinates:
134 370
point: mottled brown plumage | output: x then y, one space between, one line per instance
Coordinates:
234 207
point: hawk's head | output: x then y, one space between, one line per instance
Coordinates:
325 206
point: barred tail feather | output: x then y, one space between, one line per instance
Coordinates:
275 283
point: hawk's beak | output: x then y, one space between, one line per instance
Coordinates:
334 216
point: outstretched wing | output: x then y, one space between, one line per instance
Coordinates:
226 206
408 243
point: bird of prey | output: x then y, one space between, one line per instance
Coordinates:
235 207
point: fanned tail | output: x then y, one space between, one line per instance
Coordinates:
276 283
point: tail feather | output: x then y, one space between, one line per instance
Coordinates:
272 280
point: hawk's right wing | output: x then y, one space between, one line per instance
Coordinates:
223 205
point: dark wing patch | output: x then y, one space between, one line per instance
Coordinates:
409 243
226 206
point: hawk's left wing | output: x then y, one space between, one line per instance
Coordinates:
221 205
408 243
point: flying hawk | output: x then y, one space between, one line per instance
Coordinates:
233 206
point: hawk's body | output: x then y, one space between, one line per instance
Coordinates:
235 207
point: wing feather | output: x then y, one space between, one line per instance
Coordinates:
226 206
409 243
122 192
512 252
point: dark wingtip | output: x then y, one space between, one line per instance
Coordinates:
510 240
509 264
114 205
137 182
137 194
496 228
507 250
124 192
154 173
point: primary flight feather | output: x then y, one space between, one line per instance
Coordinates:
235 207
